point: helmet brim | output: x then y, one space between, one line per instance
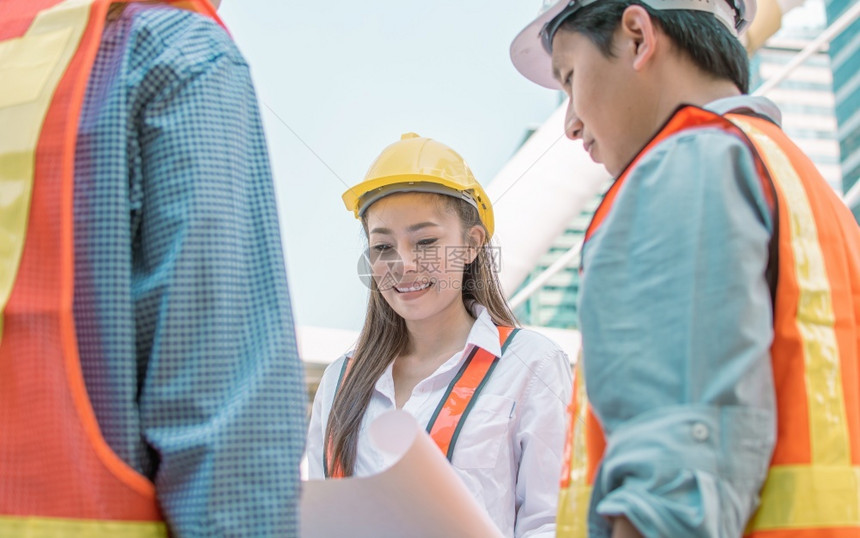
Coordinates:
360 197
528 54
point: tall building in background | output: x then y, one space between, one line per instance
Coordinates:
845 62
806 97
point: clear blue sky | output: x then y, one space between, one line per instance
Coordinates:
338 81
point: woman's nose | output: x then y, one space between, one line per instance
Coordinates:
409 260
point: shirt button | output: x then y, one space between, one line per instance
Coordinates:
700 432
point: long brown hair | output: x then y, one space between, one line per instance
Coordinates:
384 337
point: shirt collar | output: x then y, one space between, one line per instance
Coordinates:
750 103
484 333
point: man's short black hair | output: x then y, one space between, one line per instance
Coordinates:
699 34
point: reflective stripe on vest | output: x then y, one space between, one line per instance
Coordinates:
813 484
814 479
454 406
58 477
576 474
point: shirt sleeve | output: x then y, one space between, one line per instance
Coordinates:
316 435
540 438
223 401
323 400
677 323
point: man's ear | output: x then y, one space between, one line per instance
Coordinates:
476 237
639 33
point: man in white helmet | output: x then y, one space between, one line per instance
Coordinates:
720 287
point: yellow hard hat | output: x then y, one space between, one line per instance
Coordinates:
418 164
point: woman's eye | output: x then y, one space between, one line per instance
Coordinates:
426 242
568 79
381 248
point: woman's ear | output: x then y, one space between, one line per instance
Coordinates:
476 238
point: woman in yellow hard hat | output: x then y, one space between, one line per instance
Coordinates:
440 342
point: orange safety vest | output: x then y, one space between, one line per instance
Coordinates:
454 406
58 476
813 483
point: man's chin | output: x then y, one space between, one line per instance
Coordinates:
610 169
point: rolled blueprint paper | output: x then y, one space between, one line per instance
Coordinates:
418 496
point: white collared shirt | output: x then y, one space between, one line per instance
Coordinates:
509 452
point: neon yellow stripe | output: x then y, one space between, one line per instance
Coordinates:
578 456
33 527
809 497
573 512
31 68
573 501
815 318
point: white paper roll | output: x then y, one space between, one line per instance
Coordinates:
419 496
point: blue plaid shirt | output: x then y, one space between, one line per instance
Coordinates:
181 302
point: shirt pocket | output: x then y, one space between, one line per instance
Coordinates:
485 430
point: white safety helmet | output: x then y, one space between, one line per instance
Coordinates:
531 50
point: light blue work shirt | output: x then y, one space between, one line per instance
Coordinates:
676 318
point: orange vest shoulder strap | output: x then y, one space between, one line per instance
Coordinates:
448 419
690 117
337 470
344 371
685 118
459 398
506 336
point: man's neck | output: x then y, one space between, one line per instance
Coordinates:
708 93
697 89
